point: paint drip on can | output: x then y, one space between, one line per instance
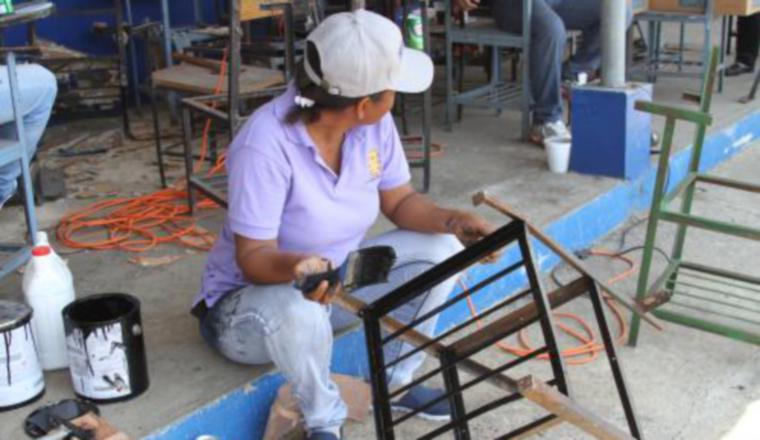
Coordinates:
104 339
413 25
21 380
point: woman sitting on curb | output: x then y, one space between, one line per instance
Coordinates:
308 175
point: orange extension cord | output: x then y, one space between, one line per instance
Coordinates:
589 348
139 224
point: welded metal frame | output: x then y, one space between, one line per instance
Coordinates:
232 119
655 59
498 94
553 395
668 286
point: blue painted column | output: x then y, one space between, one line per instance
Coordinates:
610 137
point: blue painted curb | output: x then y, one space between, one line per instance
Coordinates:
243 413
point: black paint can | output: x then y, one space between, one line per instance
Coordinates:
21 380
104 338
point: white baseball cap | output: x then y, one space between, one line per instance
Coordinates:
362 53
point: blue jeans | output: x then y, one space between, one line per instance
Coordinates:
549 23
275 323
38 90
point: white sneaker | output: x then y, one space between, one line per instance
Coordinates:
549 130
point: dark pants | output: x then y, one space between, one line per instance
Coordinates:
748 39
550 20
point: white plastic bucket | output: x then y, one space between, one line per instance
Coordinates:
558 154
21 379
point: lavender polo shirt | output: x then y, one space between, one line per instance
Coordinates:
280 188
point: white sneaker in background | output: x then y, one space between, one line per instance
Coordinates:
550 130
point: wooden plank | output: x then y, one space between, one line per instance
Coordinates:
201 80
520 318
561 405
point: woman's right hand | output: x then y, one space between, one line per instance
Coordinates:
311 265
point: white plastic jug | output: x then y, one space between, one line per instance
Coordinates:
48 288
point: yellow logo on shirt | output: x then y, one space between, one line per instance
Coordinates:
373 163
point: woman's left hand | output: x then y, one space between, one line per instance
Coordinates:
469 228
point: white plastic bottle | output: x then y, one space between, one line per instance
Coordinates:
48 288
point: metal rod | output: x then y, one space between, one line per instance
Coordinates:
459 327
712 312
475 413
613 43
720 272
711 225
714 290
722 181
518 319
716 279
188 150
617 370
545 316
471 383
459 414
714 301
572 260
384 422
420 319
167 34
443 271
713 327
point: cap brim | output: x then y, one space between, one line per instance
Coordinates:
416 71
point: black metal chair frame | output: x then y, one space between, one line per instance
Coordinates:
458 355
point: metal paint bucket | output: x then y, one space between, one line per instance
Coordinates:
104 339
21 379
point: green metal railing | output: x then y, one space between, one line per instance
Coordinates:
688 293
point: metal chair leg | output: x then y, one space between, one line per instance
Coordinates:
753 91
187 145
449 86
29 213
157 136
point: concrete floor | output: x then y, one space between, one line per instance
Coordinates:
481 152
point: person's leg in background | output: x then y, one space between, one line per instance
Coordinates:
584 16
747 45
548 37
261 324
38 90
416 253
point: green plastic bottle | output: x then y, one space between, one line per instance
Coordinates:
414 37
6 7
